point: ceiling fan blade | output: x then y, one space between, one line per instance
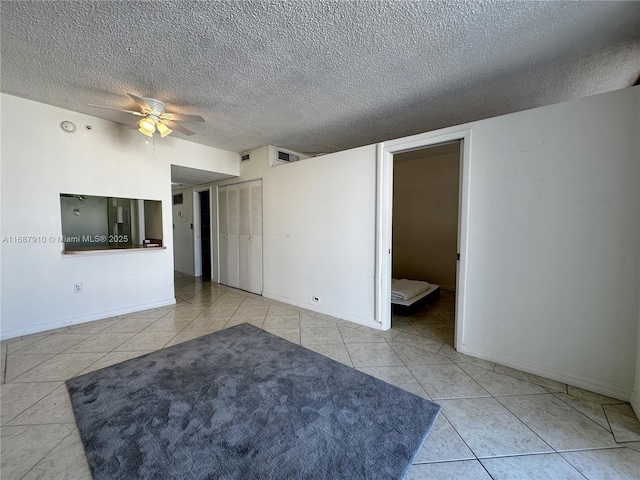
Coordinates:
140 101
181 117
118 109
178 127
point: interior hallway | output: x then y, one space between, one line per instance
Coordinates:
496 422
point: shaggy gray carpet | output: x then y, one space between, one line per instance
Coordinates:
242 403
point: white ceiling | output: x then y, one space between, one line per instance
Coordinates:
317 75
185 177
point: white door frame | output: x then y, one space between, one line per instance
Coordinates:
197 247
384 210
216 252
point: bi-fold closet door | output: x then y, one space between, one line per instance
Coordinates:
240 228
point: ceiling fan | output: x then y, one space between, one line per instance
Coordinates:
154 118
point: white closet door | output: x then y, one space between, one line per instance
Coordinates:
244 258
255 240
241 236
223 230
233 267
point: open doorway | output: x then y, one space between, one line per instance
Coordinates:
202 233
425 231
384 221
205 233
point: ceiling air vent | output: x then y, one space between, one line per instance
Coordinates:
287 157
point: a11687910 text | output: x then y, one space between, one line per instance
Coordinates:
65 239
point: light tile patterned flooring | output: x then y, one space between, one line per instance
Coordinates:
496 422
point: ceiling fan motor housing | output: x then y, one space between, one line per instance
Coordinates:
157 107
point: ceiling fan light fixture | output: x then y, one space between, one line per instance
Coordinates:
163 129
147 126
145 132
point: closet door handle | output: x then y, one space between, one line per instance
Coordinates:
250 238
225 237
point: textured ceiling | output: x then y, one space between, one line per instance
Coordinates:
316 76
185 176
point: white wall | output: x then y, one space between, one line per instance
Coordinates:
552 249
42 161
252 169
425 216
552 264
554 223
319 225
183 233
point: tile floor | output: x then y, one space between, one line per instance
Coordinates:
496 422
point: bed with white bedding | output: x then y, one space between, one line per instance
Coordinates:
408 296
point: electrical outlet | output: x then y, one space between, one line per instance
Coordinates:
316 299
77 288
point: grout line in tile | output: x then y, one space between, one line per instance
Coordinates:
91 364
4 366
459 435
34 424
38 381
573 466
610 426
581 413
6 423
522 421
590 449
619 413
431 462
48 452
485 469
346 349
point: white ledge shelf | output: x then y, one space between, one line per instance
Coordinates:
111 251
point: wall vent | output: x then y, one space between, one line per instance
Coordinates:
245 157
287 157
281 156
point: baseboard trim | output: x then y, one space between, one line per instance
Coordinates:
314 308
66 322
569 379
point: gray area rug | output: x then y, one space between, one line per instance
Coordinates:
242 403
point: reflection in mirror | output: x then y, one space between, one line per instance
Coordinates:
100 223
